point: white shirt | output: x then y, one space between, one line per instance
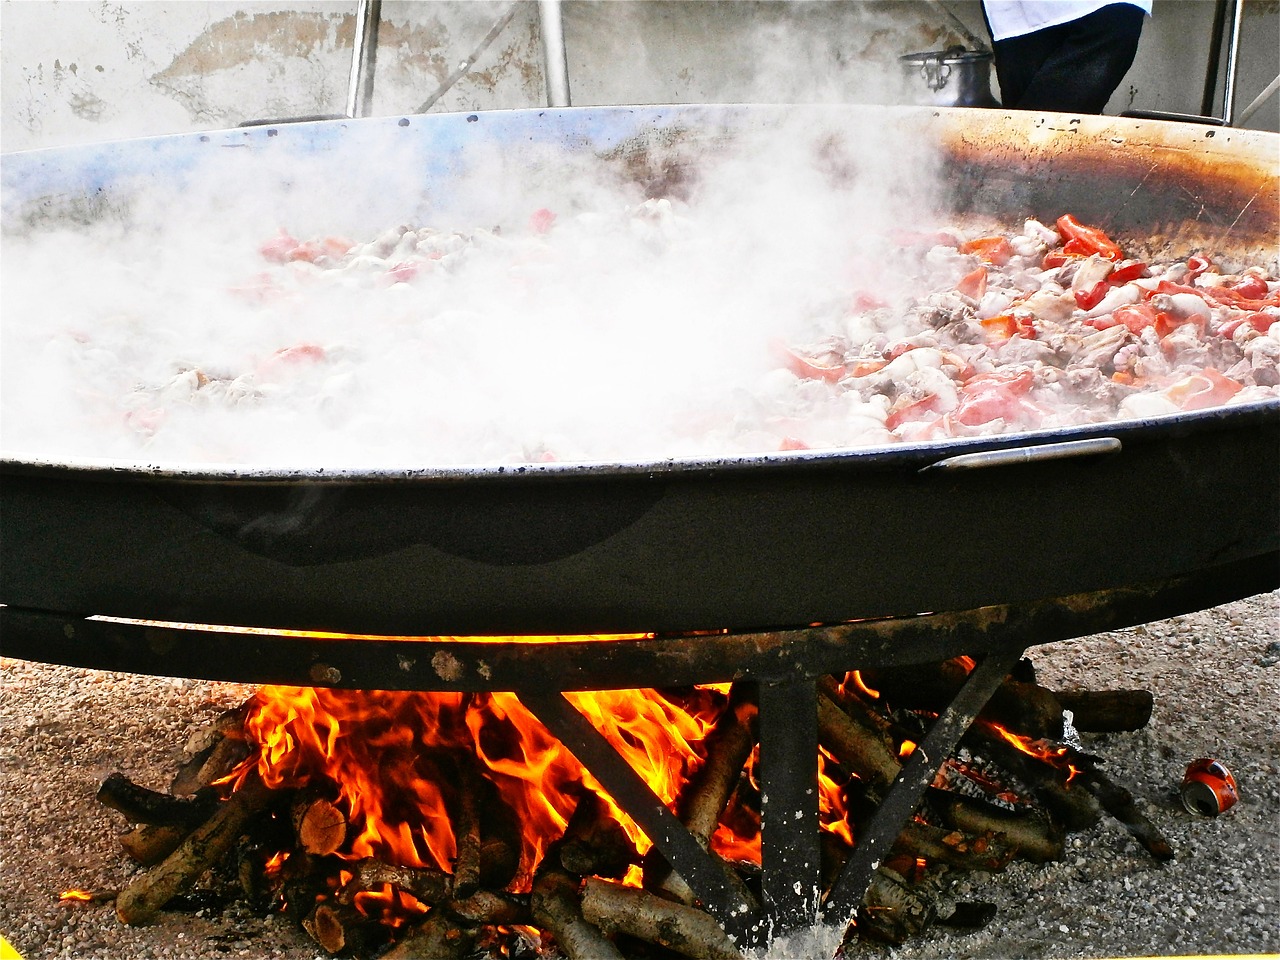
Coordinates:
1014 18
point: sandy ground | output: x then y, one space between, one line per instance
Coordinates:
1216 680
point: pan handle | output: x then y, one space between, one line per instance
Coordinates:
1039 453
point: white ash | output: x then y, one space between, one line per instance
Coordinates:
1216 684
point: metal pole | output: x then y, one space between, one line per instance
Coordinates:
364 54
1233 47
553 53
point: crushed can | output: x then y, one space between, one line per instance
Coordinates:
1208 788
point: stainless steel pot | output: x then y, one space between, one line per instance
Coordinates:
954 77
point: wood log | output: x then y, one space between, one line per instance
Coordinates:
147 844
319 824
500 841
1074 806
339 927
704 798
893 911
556 908
206 845
594 842
439 937
1032 837
689 931
467 828
860 750
491 907
215 752
427 884
1107 711
1118 802
142 805
956 848
306 881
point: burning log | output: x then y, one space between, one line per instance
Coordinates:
957 848
728 746
1076 808
615 908
892 910
1033 838
489 907
1107 711
557 908
427 884
207 844
861 750
340 927
466 866
594 843
142 805
439 937
216 751
319 825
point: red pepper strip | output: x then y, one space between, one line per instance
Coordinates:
973 285
278 248
990 396
1087 239
1259 321
1230 296
810 369
1138 316
1251 288
1007 325
1196 266
994 250
916 410
1131 270
1057 258
1208 388
791 443
1089 297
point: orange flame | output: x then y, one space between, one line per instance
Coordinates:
1056 756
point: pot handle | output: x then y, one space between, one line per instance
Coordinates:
1040 453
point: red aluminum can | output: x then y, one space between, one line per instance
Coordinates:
1208 788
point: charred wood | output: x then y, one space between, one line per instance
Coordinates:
202 848
893 910
1071 804
439 937
557 908
857 748
142 805
1032 837
216 751
1118 802
490 907
594 842
616 909
1107 711
704 798
339 927
427 884
956 848
147 844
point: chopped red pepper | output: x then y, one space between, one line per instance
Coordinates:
1006 325
1087 240
994 250
1089 297
1208 388
973 285
1251 288
1129 270
915 410
1197 265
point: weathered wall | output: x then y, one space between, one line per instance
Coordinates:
78 71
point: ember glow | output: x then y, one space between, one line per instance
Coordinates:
1053 754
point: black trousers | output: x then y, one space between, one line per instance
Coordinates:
1073 67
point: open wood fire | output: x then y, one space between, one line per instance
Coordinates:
399 824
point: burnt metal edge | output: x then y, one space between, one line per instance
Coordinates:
436 664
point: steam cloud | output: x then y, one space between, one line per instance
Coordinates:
627 331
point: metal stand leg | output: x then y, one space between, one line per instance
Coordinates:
874 840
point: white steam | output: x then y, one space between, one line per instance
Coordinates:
628 330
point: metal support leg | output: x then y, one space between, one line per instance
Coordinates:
875 839
788 773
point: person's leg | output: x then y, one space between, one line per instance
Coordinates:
1019 59
1091 58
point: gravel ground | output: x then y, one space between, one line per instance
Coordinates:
1214 674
